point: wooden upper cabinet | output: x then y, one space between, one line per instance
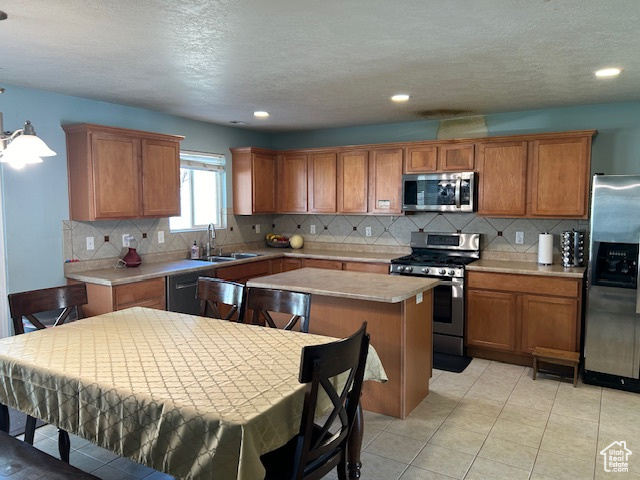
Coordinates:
160 178
502 178
323 182
353 181
117 173
421 159
433 157
291 194
253 180
456 157
385 181
560 176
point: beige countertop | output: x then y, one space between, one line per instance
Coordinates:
525 268
147 271
340 283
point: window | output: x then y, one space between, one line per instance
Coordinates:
202 182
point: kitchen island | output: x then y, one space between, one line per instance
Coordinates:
398 312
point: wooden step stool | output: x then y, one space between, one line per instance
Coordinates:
558 357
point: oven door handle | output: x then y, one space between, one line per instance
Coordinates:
457 194
449 283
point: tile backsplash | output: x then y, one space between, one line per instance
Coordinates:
392 232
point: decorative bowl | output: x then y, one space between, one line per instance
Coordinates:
273 244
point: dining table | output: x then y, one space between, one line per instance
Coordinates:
195 397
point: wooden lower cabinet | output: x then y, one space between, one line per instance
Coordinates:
318 263
245 271
509 315
105 299
490 321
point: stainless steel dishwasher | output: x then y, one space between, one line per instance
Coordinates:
182 290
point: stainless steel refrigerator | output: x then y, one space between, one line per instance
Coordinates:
612 330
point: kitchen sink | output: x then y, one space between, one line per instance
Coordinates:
241 255
229 257
216 259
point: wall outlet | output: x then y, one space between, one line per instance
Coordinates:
160 236
90 245
258 228
312 229
367 231
519 238
125 239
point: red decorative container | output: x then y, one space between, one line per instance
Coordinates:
132 259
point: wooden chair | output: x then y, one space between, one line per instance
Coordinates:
320 447
27 305
264 301
214 291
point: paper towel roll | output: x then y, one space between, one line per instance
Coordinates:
545 249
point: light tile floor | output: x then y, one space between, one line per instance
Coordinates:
490 422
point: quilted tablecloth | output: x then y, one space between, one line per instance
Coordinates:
195 397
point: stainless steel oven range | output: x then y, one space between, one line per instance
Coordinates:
442 256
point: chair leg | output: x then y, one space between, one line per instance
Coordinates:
30 430
64 445
354 445
4 418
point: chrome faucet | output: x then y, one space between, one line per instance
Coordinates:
211 237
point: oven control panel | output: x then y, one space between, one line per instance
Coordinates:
427 271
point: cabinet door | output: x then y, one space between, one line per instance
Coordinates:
385 181
421 158
263 183
560 177
502 178
491 320
549 322
323 182
147 293
353 181
456 157
160 178
291 192
116 176
289 264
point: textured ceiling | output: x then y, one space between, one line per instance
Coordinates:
317 64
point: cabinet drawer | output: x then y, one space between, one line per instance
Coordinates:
558 287
366 267
126 295
316 263
246 270
156 303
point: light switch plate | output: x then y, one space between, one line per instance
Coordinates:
312 229
367 231
519 238
160 236
125 239
90 244
258 228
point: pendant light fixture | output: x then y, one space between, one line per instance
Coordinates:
22 146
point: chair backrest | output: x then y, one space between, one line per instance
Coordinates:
213 292
323 446
27 304
264 301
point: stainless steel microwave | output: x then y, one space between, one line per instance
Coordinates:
439 192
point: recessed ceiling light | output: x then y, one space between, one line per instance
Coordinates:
608 72
401 97
261 114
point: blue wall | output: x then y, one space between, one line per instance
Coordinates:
35 199
615 150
